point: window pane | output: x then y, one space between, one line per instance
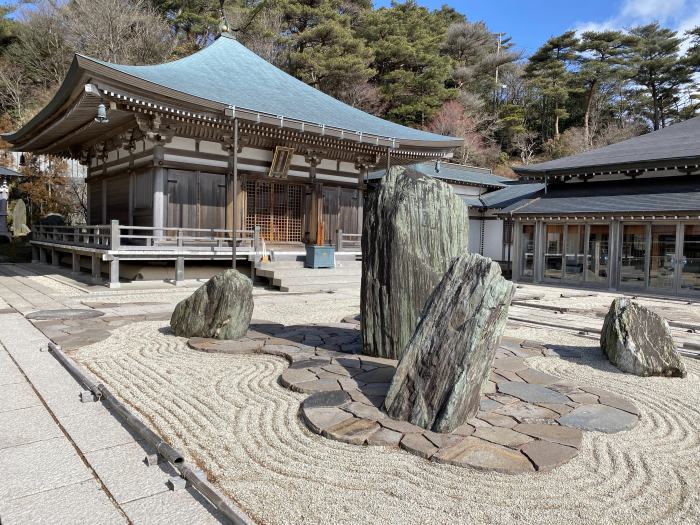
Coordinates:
528 252
598 246
573 257
690 263
553 251
662 259
634 247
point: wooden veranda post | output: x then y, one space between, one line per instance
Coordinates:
234 191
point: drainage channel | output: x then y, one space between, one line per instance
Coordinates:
188 473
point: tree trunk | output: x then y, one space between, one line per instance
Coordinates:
556 125
587 114
656 106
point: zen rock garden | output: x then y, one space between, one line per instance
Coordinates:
425 368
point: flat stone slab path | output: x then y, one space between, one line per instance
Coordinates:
528 420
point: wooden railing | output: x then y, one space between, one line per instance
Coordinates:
119 237
348 242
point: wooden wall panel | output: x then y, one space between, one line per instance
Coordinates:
95 201
143 197
118 199
182 199
212 200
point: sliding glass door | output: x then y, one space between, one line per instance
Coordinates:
662 257
553 257
690 259
633 256
598 249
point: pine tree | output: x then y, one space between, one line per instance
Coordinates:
655 56
410 71
548 70
601 58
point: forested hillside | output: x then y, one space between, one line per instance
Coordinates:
438 70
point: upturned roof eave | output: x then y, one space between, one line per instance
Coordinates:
601 169
83 67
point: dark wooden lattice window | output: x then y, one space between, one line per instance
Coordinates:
277 207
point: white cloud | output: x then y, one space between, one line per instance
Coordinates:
680 15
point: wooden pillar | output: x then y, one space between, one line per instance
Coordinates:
96 267
538 252
104 201
614 254
42 255
231 146
160 190
515 255
75 269
35 254
316 234
55 257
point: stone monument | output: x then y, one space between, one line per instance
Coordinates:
439 379
414 225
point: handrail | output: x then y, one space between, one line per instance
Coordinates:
345 241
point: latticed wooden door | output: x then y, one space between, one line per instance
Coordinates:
277 207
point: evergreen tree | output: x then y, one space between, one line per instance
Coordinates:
410 71
655 56
601 59
321 48
548 70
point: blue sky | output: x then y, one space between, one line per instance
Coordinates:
531 22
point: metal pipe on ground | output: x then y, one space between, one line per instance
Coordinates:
195 477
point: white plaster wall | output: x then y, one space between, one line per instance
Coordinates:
493 239
460 189
474 236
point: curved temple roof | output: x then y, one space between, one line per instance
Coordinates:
226 72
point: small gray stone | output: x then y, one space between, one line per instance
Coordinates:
599 418
221 309
319 419
639 341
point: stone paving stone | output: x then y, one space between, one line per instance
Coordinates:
480 454
547 456
173 507
357 395
601 418
613 400
563 352
554 433
39 466
309 363
564 387
354 431
350 384
378 375
478 423
500 376
292 376
504 399
70 313
317 386
326 399
525 412
464 430
80 339
123 470
9 373
535 377
95 427
502 436
512 364
347 362
489 388
82 502
442 440
532 393
340 370
400 426
375 389
559 408
27 425
487 404
584 399
319 419
17 395
419 445
364 411
385 437
497 420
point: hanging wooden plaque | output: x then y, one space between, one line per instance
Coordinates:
281 161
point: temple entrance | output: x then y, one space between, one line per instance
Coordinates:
277 207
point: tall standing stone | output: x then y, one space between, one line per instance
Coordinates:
639 341
439 379
220 309
414 225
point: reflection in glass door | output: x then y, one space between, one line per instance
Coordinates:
598 246
527 259
573 256
633 256
662 256
553 252
690 262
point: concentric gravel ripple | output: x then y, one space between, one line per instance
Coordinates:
230 415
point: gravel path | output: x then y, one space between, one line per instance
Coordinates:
231 416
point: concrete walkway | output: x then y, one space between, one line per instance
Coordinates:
63 461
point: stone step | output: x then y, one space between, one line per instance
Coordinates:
326 287
287 273
320 281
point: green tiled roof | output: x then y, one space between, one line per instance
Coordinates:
228 73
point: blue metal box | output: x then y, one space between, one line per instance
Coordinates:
320 256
